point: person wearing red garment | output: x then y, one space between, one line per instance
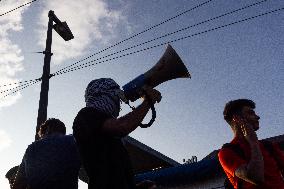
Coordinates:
258 167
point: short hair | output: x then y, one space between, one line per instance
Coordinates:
52 125
234 107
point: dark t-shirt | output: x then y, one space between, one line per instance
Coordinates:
104 157
52 162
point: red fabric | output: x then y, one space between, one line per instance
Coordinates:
230 161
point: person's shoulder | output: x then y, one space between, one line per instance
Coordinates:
69 138
33 147
35 143
51 139
89 115
90 112
231 152
63 138
223 149
228 148
30 147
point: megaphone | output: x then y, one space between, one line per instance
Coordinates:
170 66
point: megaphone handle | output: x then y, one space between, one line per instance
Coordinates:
153 113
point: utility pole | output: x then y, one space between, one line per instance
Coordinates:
63 30
43 100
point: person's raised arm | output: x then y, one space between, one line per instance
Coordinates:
253 171
126 124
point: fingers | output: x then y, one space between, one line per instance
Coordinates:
153 94
244 130
242 123
245 127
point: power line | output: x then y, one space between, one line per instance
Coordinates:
168 34
87 64
17 8
135 35
175 40
20 82
7 90
19 89
18 86
27 81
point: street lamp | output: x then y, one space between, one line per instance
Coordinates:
64 31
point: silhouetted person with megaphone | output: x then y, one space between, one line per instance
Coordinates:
98 131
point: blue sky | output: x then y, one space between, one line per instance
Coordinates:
240 61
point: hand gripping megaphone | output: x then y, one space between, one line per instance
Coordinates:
170 66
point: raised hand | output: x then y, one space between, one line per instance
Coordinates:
153 94
246 129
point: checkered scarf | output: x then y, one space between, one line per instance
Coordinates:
101 94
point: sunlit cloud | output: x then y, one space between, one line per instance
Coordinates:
89 21
4 182
5 140
11 58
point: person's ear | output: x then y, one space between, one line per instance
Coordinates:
40 134
234 118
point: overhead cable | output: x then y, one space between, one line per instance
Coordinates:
91 63
19 89
17 7
168 34
20 82
135 35
175 40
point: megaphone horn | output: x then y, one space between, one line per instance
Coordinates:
170 66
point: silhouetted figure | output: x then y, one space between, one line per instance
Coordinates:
248 162
98 132
52 162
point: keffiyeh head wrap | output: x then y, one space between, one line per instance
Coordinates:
101 94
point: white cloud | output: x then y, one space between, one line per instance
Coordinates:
91 22
5 140
11 59
88 20
4 182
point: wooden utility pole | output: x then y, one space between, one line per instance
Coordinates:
43 101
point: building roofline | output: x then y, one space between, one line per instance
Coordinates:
150 150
